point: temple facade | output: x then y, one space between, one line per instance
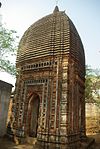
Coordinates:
49 99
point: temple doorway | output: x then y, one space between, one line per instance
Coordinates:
32 115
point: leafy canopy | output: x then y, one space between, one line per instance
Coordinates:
92 85
8 49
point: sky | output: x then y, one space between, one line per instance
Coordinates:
85 14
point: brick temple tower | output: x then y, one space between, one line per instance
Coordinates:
49 99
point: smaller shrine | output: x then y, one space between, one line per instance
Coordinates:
5 92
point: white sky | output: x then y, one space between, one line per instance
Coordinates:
85 14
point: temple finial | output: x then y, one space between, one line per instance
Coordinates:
0 4
56 9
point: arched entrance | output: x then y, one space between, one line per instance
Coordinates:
32 115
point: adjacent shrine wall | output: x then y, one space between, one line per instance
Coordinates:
5 92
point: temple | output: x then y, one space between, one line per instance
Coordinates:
49 102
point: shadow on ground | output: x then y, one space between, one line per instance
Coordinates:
97 141
5 143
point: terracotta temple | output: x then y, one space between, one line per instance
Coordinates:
49 101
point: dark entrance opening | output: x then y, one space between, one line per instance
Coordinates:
33 114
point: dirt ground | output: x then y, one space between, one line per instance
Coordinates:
5 143
97 141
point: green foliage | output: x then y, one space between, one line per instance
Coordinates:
8 49
92 86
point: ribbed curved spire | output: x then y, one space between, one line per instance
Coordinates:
56 9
